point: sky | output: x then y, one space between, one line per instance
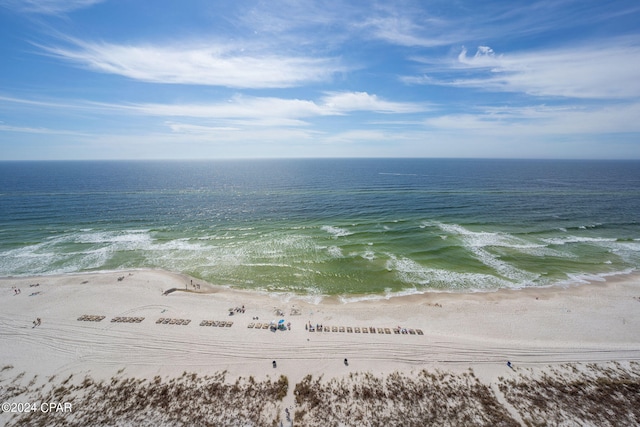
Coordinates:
200 79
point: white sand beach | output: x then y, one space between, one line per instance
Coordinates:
534 329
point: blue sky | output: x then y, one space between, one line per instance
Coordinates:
116 79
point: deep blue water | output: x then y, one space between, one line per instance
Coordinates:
322 226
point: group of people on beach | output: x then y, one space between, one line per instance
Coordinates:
37 322
17 291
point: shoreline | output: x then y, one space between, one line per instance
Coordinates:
534 328
408 294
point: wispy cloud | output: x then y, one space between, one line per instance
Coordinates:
47 7
542 120
42 131
277 111
213 63
605 70
402 31
236 112
363 101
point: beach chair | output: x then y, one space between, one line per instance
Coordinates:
372 329
341 329
229 324
265 326
412 332
380 331
356 330
419 332
396 330
250 325
365 330
334 329
186 321
160 320
387 331
327 329
349 329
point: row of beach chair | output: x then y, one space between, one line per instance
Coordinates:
170 321
366 330
90 318
127 319
220 324
258 325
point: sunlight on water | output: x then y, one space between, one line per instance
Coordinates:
385 227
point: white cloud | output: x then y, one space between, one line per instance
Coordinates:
362 101
234 108
606 70
542 120
402 31
48 7
212 63
39 130
270 111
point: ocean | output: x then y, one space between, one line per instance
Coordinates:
354 228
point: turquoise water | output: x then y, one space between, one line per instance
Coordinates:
318 227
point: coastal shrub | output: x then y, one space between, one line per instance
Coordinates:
282 386
398 399
603 395
184 401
